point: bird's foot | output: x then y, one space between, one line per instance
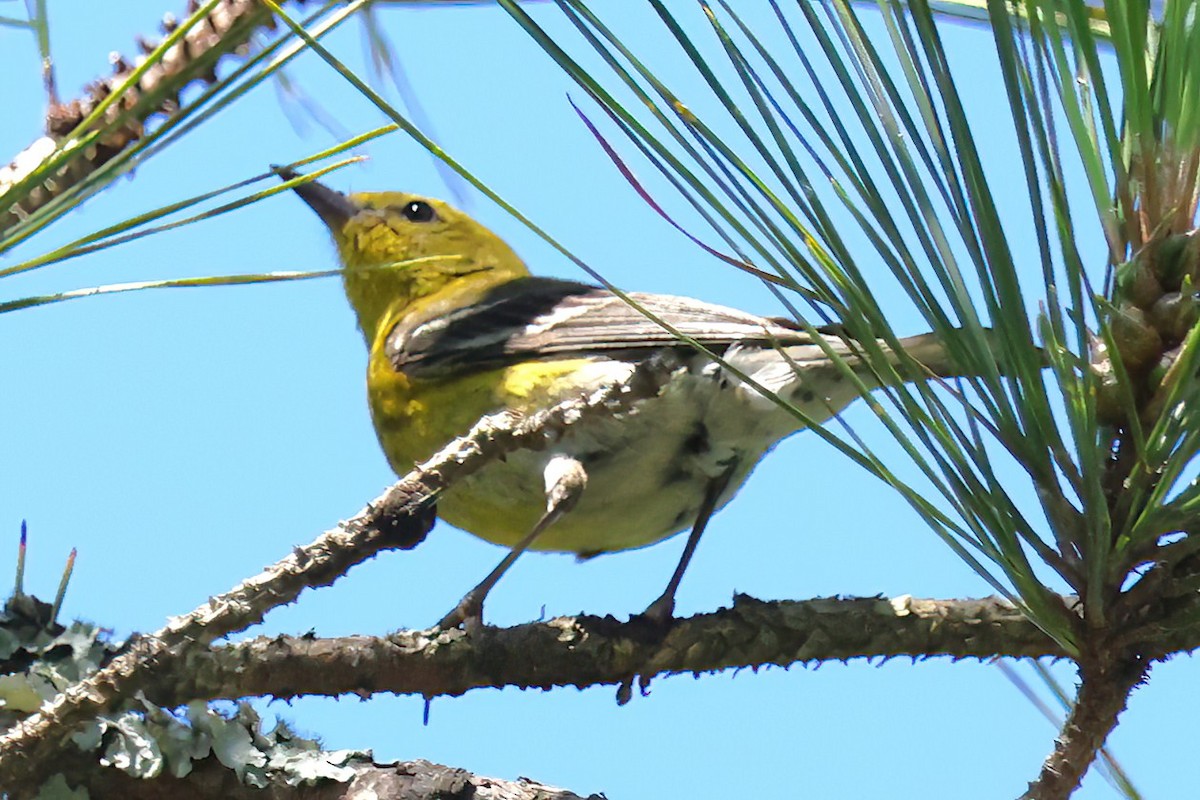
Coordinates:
662 611
467 614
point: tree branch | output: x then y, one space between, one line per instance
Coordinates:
400 518
1105 683
587 650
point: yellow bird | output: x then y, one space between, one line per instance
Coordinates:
458 328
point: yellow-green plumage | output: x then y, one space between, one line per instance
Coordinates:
440 266
411 420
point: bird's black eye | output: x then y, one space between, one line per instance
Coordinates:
418 211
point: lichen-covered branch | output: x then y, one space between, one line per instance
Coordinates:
357 776
398 519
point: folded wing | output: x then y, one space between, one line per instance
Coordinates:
544 318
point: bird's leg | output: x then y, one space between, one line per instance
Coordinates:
663 609
565 481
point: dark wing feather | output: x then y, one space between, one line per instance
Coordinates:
544 318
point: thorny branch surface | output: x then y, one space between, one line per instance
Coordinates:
587 650
1105 684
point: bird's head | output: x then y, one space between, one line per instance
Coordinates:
397 248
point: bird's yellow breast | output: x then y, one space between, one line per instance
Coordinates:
415 418
501 503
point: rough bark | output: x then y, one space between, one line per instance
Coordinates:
587 651
1106 681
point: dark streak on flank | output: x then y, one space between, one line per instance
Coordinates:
697 443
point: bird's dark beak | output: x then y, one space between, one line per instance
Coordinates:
333 207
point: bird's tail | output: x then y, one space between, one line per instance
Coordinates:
929 350
806 376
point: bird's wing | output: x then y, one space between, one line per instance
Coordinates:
543 318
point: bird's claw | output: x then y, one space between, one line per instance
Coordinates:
662 611
468 614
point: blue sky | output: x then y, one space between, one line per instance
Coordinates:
182 440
